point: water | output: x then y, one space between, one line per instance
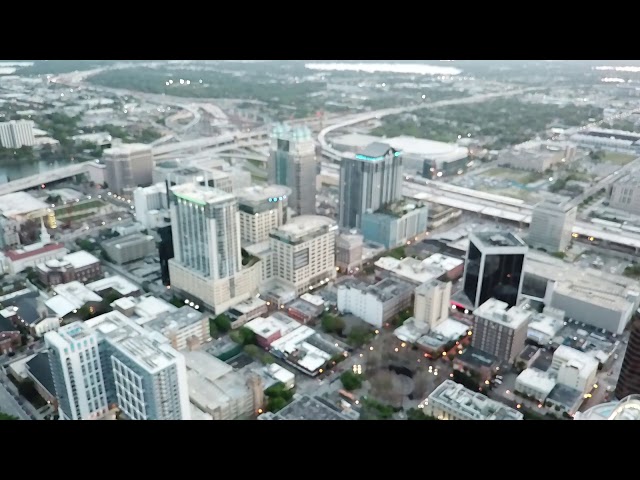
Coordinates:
9 173
408 68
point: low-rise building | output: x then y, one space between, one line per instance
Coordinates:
395 225
81 266
574 368
305 349
69 298
306 309
535 383
10 337
115 283
305 408
452 401
535 156
528 357
39 371
217 390
19 259
129 248
281 375
148 200
269 329
349 251
185 328
625 194
409 270
564 400
545 326
375 304
245 311
598 307
475 362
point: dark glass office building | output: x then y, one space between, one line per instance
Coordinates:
629 380
165 252
493 267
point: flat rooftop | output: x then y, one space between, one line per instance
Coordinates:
471 405
201 195
127 149
80 259
385 290
125 241
116 282
308 408
20 203
304 227
249 305
478 358
497 239
260 194
411 269
500 313
587 294
265 327
566 396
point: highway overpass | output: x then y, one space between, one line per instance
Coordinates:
45 177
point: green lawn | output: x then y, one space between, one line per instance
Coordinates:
514 175
617 158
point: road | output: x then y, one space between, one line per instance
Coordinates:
377 114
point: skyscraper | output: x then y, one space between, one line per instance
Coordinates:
432 304
207 261
17 133
551 225
493 268
292 163
77 373
629 380
368 181
128 166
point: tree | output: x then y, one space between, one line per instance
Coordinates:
247 336
5 416
420 384
332 324
252 350
275 404
223 323
418 414
351 381
358 336
111 297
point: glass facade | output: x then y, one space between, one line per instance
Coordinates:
629 380
492 276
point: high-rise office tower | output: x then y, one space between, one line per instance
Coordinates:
304 252
128 166
292 163
551 225
77 373
208 263
493 267
368 181
432 304
262 210
629 379
17 134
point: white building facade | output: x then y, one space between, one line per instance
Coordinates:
17 134
432 304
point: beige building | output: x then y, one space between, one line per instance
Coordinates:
304 252
625 195
349 251
129 248
128 166
218 390
208 264
262 210
186 328
432 304
500 330
536 156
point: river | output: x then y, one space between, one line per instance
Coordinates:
20 170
